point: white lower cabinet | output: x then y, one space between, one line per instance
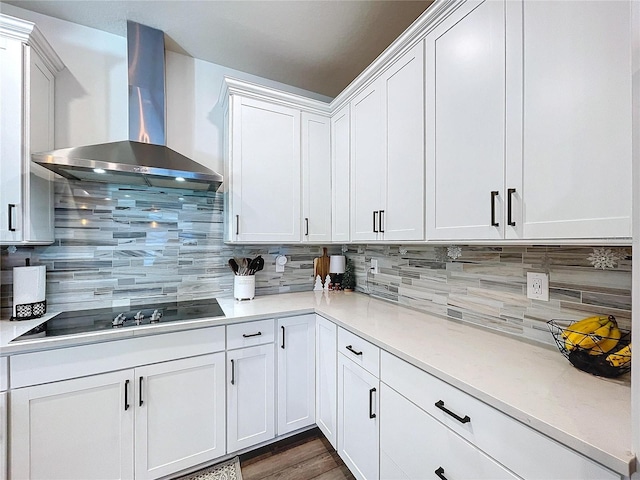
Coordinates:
180 414
250 396
358 422
296 373
415 446
326 378
3 435
74 429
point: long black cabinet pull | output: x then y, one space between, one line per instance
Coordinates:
237 224
11 207
233 373
140 385
355 352
440 405
282 346
252 335
371 414
381 224
510 192
375 221
306 229
440 473
126 394
494 194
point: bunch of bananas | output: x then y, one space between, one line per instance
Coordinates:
598 334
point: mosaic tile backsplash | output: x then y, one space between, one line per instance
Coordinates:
119 245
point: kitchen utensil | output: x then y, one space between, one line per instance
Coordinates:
234 265
253 265
259 263
242 265
321 267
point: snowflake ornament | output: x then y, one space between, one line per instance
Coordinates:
402 251
454 252
604 258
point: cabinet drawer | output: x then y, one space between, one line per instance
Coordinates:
359 351
250 333
522 449
414 446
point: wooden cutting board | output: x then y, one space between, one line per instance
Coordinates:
321 265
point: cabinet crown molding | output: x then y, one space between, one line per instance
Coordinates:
28 33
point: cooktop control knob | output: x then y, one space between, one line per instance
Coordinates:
138 317
156 316
119 320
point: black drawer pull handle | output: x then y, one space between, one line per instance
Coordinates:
440 405
12 206
141 402
440 473
510 192
126 394
233 373
282 346
350 348
381 225
371 414
237 224
375 221
494 194
252 335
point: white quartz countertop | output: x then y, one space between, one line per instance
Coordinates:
532 383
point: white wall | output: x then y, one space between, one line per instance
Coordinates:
91 93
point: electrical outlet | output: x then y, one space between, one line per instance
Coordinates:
538 286
374 265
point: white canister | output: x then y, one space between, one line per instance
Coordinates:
244 287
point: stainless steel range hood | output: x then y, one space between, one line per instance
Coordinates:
144 159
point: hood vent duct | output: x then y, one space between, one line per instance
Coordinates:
144 159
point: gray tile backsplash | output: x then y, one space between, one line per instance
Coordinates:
119 245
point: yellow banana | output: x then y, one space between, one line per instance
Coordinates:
620 358
577 333
608 343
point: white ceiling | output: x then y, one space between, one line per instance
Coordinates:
317 45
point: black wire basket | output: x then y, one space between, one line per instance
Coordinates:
592 360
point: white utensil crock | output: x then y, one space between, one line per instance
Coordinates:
244 287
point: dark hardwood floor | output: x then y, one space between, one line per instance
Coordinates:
305 456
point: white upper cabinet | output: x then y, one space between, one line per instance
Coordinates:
577 119
387 154
27 125
316 178
264 171
340 164
528 108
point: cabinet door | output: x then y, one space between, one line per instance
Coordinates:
465 123
316 178
367 162
3 435
75 429
326 378
577 119
414 446
296 373
358 441
180 414
403 216
250 396
265 171
340 183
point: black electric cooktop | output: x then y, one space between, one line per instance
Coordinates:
83 321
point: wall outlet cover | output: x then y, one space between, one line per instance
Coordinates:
538 286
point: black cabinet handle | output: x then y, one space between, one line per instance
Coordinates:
237 224
282 346
233 373
440 405
375 221
11 226
251 335
371 414
140 385
126 394
510 192
381 221
440 473
494 194
306 227
350 348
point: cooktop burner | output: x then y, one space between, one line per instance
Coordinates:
82 321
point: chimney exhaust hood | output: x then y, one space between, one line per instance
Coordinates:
144 159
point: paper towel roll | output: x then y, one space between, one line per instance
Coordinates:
29 285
